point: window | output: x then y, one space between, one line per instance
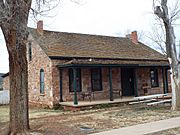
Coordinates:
154 77
96 79
30 51
42 81
78 80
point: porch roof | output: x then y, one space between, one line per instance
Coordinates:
113 63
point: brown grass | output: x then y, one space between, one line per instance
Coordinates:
58 122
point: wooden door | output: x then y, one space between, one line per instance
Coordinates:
127 81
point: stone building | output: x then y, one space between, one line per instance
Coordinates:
63 66
66 66
5 83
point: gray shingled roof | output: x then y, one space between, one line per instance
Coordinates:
61 44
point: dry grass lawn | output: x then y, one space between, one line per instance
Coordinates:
58 122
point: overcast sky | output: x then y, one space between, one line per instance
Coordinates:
100 17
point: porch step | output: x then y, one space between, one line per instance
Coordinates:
155 96
142 101
160 102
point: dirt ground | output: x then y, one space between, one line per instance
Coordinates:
59 122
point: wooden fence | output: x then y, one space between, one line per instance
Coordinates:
4 97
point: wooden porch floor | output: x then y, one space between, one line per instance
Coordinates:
97 102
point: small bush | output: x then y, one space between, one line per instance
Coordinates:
57 107
102 106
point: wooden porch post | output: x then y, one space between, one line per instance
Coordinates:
110 84
74 84
164 81
135 83
60 85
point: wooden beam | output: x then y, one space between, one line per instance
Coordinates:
135 83
75 88
166 79
165 85
110 84
60 85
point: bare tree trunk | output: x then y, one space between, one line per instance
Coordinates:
174 63
18 88
175 82
16 44
16 36
162 12
13 22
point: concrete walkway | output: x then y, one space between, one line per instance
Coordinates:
146 128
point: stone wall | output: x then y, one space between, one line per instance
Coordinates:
39 61
143 75
86 82
56 80
6 85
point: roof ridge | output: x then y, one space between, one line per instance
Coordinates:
71 33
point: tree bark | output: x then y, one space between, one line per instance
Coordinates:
16 36
13 22
174 64
175 82
19 117
19 122
162 12
173 60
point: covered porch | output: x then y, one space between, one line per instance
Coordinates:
130 82
98 102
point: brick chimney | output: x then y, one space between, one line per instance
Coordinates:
134 37
40 27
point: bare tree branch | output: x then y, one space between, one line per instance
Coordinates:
175 12
42 7
162 12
